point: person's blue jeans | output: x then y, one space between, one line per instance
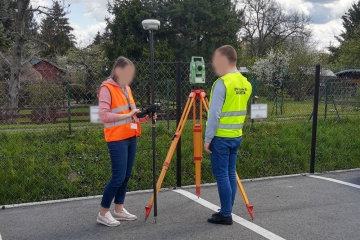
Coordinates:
223 163
122 154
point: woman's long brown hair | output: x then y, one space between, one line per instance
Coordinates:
120 62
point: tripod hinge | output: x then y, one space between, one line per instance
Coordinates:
166 164
197 158
176 135
197 130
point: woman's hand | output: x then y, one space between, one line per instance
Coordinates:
133 112
128 115
149 118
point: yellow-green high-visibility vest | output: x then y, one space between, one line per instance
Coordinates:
238 91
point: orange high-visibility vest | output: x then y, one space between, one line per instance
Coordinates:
116 131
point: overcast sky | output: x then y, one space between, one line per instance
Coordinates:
87 17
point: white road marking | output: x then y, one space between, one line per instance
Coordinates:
253 227
336 181
0 237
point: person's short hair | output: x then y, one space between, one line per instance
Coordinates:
229 52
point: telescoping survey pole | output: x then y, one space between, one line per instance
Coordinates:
151 25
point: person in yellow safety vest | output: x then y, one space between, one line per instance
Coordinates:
228 100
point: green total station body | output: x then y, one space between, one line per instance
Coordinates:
197 70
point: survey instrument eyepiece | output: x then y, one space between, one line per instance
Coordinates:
149 110
197 70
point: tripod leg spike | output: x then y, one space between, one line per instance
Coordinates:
198 191
147 211
250 209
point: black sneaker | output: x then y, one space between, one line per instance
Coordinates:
220 219
215 214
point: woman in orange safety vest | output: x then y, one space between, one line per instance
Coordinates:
117 111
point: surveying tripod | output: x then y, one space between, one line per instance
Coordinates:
197 129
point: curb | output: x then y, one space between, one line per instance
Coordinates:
165 189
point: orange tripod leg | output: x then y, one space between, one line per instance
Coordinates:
197 129
244 197
170 152
205 104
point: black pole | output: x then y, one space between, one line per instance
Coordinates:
153 121
315 116
178 117
69 107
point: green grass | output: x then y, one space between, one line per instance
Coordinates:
37 165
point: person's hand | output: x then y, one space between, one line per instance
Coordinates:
206 147
149 119
133 112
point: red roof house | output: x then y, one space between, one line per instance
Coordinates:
48 70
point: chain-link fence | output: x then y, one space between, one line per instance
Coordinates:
49 150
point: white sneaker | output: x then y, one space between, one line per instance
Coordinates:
107 220
124 215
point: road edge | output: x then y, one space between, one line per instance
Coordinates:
9 206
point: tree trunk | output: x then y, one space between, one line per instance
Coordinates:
15 72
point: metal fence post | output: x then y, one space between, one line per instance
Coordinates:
168 104
326 97
69 109
315 116
178 116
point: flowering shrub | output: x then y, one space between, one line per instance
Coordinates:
268 69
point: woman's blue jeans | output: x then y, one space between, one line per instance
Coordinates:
122 154
223 163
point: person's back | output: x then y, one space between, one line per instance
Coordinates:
238 91
227 111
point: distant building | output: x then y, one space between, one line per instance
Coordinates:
243 70
350 75
48 70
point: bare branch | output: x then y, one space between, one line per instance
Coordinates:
5 59
40 41
40 9
267 25
30 58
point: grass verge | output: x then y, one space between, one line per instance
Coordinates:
48 164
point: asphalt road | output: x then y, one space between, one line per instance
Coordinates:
298 207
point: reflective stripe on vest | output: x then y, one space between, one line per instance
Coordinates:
233 114
121 122
230 126
122 108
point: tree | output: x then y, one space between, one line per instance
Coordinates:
97 39
199 27
187 28
44 94
24 46
5 42
347 53
87 66
125 35
268 69
299 60
267 25
56 30
7 15
351 22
